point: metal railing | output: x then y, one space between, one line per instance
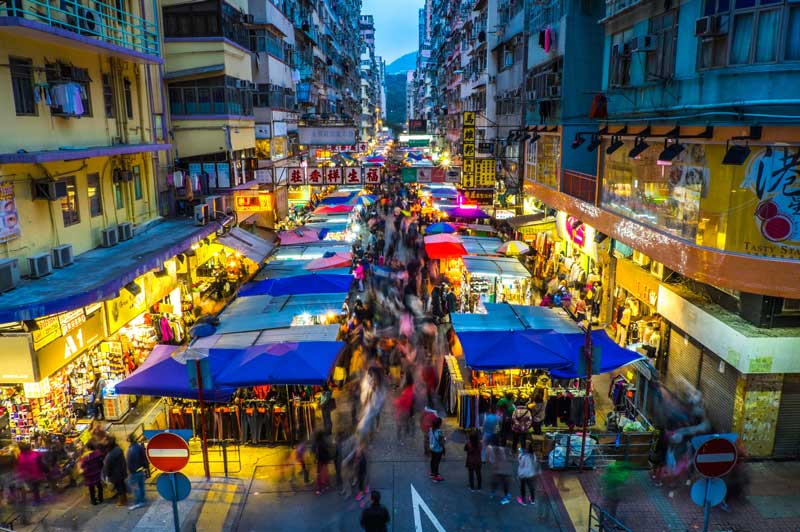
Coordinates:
224 456
602 521
579 185
104 21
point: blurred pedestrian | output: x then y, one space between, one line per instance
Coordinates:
473 449
360 467
92 466
527 471
138 467
437 443
115 470
322 453
426 419
376 516
327 404
613 485
500 467
29 471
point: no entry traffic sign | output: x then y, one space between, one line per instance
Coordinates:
715 458
168 452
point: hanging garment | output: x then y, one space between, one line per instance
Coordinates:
548 39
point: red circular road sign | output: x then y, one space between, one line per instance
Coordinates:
168 452
715 458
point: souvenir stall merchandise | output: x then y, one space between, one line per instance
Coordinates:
493 280
451 385
56 405
257 415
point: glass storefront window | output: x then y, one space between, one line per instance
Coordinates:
541 160
665 195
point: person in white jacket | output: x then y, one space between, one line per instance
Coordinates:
527 470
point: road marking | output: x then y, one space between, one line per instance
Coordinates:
417 503
219 500
715 457
168 453
574 499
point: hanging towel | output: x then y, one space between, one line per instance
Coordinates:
548 39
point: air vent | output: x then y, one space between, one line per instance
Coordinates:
40 265
49 190
125 231
9 274
62 256
109 237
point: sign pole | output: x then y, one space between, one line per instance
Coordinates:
204 441
706 508
175 517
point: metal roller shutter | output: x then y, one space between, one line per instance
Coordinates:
787 432
719 390
683 360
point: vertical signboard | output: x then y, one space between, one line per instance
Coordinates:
468 149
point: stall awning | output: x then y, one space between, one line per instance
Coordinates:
481 245
338 198
99 274
535 338
303 363
310 333
291 268
163 376
254 248
505 267
301 235
467 213
310 283
308 251
526 219
266 312
333 209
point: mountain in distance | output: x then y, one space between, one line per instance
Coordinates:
403 64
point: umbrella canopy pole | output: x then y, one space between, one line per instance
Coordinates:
201 404
587 352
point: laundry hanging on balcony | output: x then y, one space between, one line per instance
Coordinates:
66 98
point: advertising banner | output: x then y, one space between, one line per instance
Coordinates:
322 136
9 220
59 352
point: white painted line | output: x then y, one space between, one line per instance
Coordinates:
417 503
168 453
715 457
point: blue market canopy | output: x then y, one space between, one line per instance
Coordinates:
518 336
163 376
530 349
305 363
338 198
312 283
439 227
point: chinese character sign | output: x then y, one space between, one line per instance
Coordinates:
485 172
372 175
315 176
352 176
773 176
469 118
333 176
297 176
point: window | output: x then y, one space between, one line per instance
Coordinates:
661 61
620 64
108 96
95 196
137 183
128 98
66 81
22 86
508 58
118 202
744 32
69 203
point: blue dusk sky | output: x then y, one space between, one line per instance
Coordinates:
395 26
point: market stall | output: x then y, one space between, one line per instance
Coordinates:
493 279
310 283
261 312
534 356
307 251
481 245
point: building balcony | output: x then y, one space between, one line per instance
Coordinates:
272 17
67 23
579 185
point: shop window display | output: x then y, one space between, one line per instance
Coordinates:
662 194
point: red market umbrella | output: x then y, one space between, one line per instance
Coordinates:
444 246
330 260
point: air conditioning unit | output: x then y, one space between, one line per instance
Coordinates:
121 176
49 190
62 256
711 26
242 84
554 91
213 203
40 265
109 237
621 49
201 214
125 231
9 274
644 43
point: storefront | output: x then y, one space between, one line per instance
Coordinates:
493 280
